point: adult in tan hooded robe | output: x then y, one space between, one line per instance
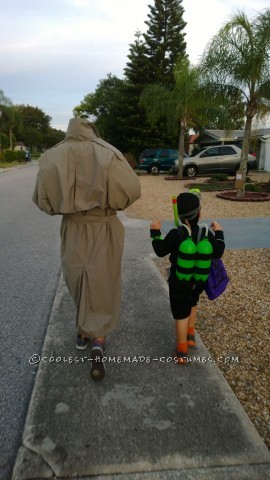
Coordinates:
87 180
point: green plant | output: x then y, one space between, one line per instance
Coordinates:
252 187
170 174
237 60
212 187
219 177
13 156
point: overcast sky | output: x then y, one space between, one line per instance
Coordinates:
54 52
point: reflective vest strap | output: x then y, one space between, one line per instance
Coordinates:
202 271
204 256
187 256
184 270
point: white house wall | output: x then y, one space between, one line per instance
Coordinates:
267 156
264 161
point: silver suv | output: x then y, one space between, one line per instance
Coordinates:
216 159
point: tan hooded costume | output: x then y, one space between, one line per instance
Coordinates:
86 180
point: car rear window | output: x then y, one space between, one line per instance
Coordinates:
148 154
212 152
227 151
164 153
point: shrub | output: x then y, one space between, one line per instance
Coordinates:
219 177
131 159
252 187
13 156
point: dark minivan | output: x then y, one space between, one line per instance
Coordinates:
154 160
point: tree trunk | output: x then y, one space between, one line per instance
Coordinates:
244 155
181 149
10 138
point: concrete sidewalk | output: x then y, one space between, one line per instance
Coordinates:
149 419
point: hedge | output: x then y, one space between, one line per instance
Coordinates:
12 156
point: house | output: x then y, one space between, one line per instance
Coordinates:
192 142
264 163
20 146
260 139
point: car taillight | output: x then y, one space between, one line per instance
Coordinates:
142 160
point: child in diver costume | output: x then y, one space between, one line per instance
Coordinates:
191 249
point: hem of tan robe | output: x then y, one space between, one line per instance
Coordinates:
102 333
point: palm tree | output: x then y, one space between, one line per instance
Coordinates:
13 120
10 115
179 105
5 102
238 59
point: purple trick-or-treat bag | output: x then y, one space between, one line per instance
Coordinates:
217 280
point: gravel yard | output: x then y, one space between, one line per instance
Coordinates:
238 323
157 192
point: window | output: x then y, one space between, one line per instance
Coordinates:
211 152
227 151
164 153
149 154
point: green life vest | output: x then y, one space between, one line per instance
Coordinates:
194 261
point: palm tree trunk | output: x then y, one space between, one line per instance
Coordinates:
244 154
10 138
181 149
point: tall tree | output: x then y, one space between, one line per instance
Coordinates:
53 136
12 119
35 126
5 103
102 108
34 117
4 100
180 104
238 60
137 131
152 59
164 39
137 66
228 115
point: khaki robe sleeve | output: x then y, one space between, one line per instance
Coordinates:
40 198
123 184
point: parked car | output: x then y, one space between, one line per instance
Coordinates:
154 160
216 159
28 156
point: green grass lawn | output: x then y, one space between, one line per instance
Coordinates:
11 164
210 187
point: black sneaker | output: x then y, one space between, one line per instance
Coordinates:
97 371
82 343
181 357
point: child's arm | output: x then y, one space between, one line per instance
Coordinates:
217 240
161 246
155 225
216 226
155 231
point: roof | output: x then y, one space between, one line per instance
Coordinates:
221 135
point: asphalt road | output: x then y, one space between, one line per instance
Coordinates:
29 273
